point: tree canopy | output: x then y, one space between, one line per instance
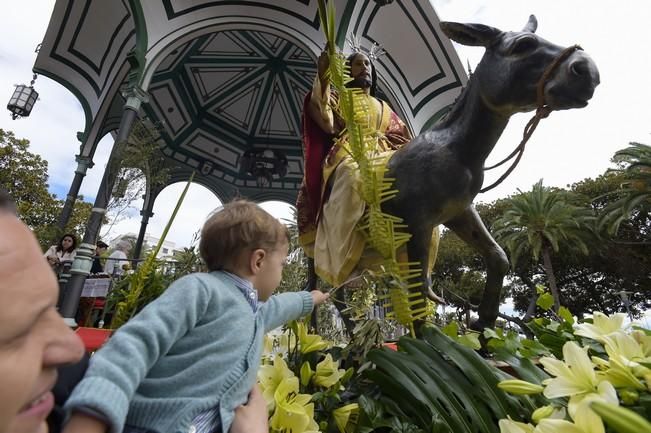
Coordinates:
614 262
24 175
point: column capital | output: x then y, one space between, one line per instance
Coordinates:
146 213
83 260
135 97
83 164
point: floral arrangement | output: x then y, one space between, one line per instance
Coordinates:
304 386
603 375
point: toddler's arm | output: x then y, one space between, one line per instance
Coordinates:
283 308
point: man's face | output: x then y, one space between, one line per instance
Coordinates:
34 340
100 250
360 71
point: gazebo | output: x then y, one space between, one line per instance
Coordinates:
223 83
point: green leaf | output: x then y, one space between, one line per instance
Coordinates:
545 301
490 333
451 329
470 340
565 314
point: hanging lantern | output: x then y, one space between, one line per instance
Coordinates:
264 165
22 101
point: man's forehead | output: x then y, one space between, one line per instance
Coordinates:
23 269
18 247
360 56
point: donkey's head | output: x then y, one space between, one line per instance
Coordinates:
511 71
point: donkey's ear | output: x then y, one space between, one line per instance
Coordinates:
532 24
470 34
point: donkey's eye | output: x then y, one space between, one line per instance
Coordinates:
524 45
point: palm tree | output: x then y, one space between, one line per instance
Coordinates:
539 223
635 191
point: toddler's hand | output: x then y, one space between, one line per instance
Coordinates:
80 423
319 297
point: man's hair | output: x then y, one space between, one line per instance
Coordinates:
101 244
238 226
7 204
349 62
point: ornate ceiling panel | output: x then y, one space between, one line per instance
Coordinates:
227 92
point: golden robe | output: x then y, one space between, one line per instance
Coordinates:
329 203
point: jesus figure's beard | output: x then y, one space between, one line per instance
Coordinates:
360 82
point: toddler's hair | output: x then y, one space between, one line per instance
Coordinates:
240 225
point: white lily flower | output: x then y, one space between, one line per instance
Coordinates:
605 392
627 350
644 341
601 326
510 426
586 421
574 376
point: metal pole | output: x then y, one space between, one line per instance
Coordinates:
84 257
64 276
83 164
146 212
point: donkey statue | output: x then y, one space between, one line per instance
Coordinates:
439 173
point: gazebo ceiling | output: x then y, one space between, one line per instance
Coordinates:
224 93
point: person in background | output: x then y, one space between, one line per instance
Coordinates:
100 249
34 340
64 251
190 358
118 259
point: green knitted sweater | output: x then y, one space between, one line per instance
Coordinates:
196 347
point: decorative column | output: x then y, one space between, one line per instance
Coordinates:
83 164
84 257
146 212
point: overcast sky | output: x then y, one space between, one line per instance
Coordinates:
566 147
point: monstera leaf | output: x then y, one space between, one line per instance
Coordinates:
443 386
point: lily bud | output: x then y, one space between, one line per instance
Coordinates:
306 373
621 420
629 396
519 387
542 413
647 379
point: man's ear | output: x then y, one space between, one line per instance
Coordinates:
255 260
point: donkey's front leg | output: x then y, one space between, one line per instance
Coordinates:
469 227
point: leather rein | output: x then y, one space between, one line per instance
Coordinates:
542 112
